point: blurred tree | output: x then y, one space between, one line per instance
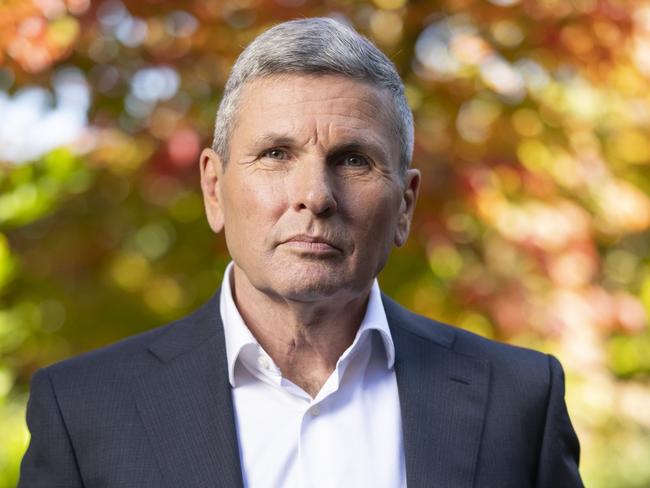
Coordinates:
532 122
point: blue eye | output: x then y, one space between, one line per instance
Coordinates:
355 160
274 154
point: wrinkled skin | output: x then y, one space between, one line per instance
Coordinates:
311 199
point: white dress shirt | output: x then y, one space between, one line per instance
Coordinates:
349 435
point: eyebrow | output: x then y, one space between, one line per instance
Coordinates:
274 140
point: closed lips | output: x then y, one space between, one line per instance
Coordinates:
316 240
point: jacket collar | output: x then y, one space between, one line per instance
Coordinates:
242 346
187 409
186 404
443 398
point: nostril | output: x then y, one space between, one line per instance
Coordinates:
318 201
312 189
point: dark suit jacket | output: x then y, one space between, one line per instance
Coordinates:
155 411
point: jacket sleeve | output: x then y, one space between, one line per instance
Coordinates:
50 460
560 450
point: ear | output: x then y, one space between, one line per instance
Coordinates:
211 174
407 206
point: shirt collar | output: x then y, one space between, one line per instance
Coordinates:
238 336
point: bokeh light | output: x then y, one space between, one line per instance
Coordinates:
533 224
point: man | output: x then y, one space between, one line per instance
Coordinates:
298 372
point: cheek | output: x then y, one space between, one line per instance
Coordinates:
253 203
374 211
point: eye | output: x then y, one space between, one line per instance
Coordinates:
275 153
355 160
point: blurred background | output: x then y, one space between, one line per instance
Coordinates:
532 134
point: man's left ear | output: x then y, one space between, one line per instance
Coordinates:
407 206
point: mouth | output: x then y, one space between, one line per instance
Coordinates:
311 243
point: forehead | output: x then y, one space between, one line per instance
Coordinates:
321 105
289 89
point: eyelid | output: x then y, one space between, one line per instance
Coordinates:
368 160
284 151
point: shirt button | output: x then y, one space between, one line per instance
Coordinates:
264 362
314 411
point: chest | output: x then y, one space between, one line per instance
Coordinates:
351 436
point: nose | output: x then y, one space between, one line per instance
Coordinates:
313 189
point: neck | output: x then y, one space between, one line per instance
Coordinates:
304 339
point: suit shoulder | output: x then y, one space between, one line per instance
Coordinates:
500 355
125 349
130 355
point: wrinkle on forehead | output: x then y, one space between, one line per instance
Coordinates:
337 87
357 112
268 105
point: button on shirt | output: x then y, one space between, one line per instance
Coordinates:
350 434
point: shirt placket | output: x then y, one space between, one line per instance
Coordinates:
317 452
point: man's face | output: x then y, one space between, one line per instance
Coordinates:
311 199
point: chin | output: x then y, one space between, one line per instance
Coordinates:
311 288
317 284
303 281
312 292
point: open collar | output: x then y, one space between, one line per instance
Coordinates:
239 339
186 403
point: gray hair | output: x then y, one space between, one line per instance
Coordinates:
314 46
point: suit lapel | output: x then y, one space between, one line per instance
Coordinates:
443 396
186 405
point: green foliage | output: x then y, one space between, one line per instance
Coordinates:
14 439
531 227
31 191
